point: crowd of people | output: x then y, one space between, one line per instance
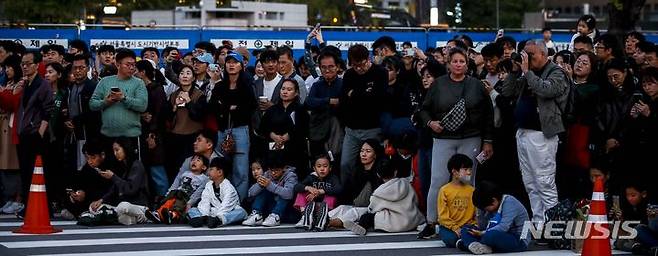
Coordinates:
469 143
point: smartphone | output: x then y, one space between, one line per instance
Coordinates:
567 59
115 89
637 96
317 26
409 52
68 190
481 157
501 32
213 67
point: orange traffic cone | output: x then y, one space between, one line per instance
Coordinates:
595 244
37 219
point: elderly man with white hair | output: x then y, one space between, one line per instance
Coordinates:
541 88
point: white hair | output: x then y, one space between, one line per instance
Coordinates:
540 44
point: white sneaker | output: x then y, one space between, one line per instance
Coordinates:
300 224
272 220
254 219
7 204
479 248
13 208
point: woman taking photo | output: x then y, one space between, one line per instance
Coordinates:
185 112
459 112
233 103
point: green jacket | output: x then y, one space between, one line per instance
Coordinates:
121 119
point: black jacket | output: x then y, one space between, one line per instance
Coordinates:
128 185
362 108
330 184
87 122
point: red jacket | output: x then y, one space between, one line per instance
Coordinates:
9 102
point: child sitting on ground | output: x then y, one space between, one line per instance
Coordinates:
272 192
185 190
321 186
455 205
220 203
632 208
500 230
393 206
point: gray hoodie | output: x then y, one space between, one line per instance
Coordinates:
284 187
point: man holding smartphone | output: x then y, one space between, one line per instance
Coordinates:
121 99
87 184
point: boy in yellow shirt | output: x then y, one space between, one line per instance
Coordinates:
455 205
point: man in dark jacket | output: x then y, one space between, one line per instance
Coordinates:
87 184
83 123
360 104
33 113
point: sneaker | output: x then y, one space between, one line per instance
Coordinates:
12 208
19 207
428 232
460 245
67 215
254 219
320 217
300 223
653 251
7 204
214 222
272 220
308 216
355 228
153 216
479 248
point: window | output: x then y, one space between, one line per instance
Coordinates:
567 10
271 15
281 15
596 10
577 10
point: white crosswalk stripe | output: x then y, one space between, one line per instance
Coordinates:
184 240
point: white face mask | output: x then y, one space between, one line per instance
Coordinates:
466 179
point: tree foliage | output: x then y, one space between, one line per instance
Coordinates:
482 13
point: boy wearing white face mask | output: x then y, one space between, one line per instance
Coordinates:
455 205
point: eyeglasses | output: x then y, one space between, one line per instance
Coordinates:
327 68
128 64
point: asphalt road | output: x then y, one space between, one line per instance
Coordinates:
162 240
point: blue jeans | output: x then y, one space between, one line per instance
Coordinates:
160 180
230 217
448 236
351 147
646 236
424 170
240 178
267 202
500 242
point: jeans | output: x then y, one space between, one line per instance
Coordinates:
646 236
268 202
130 214
424 170
537 159
240 178
160 180
236 215
500 242
448 236
442 150
351 147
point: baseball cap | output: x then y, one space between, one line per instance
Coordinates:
234 55
206 57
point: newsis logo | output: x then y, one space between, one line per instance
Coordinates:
554 230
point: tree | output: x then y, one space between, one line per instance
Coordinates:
482 14
623 15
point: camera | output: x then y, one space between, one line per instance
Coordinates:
516 57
